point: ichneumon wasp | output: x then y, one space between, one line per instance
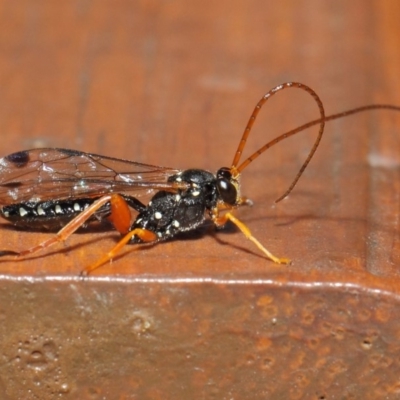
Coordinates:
49 188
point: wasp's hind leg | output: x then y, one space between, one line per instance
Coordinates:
120 216
64 233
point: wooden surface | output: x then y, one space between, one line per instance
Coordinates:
173 83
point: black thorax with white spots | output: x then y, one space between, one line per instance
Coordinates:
170 213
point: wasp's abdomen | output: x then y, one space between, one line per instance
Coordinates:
49 214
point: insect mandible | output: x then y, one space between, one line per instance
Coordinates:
48 188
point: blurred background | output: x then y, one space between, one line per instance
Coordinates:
153 80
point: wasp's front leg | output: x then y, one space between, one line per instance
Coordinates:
221 220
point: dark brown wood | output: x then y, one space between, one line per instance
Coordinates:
173 83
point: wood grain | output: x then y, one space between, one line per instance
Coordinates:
173 83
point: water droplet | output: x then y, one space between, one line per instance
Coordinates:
50 350
366 344
36 360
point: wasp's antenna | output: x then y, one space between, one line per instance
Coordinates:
237 169
253 116
308 125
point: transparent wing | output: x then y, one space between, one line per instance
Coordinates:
49 173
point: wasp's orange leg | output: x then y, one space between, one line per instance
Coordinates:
120 215
221 220
144 234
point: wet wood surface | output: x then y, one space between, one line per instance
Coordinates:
173 84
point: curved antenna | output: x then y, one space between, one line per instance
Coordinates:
253 116
308 125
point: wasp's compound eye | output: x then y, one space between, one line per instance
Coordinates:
226 188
